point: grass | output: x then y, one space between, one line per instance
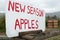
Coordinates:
54 38
53 28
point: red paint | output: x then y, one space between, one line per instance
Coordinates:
10 6
18 7
17 24
30 24
14 6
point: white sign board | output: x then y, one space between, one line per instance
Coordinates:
22 16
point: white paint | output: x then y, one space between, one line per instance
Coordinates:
11 16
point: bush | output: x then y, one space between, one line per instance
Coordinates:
2 24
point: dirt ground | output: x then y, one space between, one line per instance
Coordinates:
34 35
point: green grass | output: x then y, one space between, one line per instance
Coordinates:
54 38
53 28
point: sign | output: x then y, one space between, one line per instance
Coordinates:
22 16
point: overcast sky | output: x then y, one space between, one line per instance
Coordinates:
47 5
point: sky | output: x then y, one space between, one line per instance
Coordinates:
48 5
